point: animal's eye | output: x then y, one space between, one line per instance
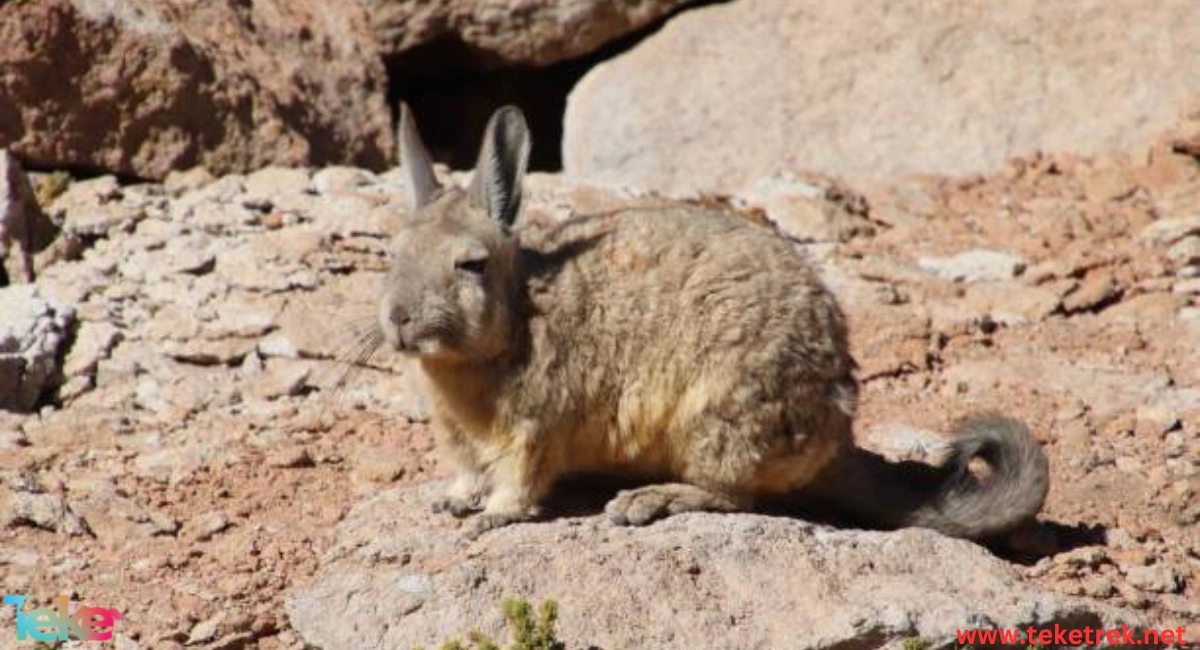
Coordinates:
472 265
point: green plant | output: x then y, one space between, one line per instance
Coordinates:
914 643
528 632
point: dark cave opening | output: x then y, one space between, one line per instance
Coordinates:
452 100
453 90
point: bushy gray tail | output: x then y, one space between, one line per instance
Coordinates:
948 498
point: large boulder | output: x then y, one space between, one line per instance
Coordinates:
734 92
399 576
502 32
145 86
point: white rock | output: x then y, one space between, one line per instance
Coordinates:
1157 578
978 265
269 183
93 342
220 218
244 316
277 344
1165 232
94 208
338 179
32 334
189 180
224 190
1186 251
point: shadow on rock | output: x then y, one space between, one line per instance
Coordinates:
400 576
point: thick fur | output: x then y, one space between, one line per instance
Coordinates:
680 345
949 497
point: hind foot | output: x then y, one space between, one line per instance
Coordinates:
644 505
464 496
458 506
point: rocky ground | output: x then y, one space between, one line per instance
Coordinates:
205 440
189 432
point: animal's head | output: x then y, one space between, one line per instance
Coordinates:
451 289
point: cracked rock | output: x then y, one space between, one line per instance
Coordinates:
40 509
33 332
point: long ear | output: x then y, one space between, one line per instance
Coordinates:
500 170
418 168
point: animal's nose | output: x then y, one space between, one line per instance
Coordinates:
399 317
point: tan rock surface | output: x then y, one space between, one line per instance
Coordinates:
730 93
735 582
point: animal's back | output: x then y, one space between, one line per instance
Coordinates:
660 321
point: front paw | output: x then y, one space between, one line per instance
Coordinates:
488 522
458 506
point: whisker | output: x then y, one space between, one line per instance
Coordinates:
363 341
